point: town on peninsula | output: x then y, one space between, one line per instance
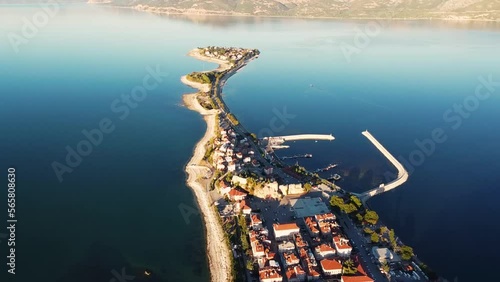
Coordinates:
269 221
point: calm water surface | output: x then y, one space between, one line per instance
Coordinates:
120 206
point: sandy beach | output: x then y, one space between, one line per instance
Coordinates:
219 254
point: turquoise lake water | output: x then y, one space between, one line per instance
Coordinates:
120 206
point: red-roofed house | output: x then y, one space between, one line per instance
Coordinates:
285 231
295 274
224 187
325 217
237 195
361 278
312 226
290 258
244 208
255 221
313 273
342 246
324 251
331 267
270 274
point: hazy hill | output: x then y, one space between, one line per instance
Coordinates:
442 9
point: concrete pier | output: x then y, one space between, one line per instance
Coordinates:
402 173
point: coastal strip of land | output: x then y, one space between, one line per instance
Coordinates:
218 252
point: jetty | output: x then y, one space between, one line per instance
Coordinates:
327 168
276 142
306 156
400 179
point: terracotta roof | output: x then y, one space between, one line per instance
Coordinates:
311 224
330 264
313 271
243 205
285 226
290 258
325 216
236 192
339 244
357 279
294 271
325 248
267 273
255 218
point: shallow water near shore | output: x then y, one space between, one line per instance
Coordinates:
121 204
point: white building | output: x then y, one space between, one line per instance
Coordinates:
270 274
285 231
324 251
384 255
331 267
342 246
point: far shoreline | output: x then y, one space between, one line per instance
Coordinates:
153 10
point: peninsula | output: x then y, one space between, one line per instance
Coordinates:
270 221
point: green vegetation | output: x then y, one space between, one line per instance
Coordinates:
338 202
406 252
348 268
307 187
202 77
209 150
385 267
367 230
359 217
233 119
374 238
250 265
392 240
371 217
245 244
356 201
229 233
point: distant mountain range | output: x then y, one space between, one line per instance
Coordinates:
387 9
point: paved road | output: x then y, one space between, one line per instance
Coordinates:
359 244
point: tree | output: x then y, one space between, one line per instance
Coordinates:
371 217
336 201
359 217
367 230
356 201
350 208
307 187
383 230
406 252
392 240
374 237
250 265
385 267
348 268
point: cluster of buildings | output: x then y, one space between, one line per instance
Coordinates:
226 54
311 249
230 153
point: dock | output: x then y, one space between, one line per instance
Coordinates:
402 173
